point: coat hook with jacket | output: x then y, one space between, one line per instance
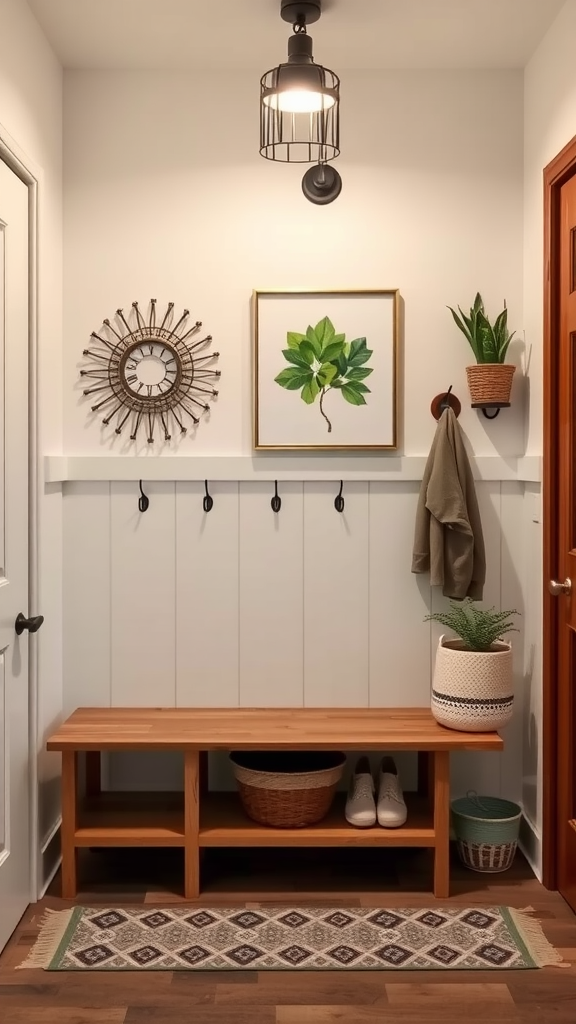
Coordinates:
448 538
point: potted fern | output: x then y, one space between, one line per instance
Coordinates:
490 381
473 687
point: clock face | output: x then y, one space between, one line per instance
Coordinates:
150 376
151 369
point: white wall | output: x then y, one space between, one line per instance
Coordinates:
549 124
166 196
31 115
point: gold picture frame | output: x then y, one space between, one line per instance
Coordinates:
286 361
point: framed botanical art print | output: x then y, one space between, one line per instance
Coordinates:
325 370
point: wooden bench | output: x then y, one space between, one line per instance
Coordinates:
197 818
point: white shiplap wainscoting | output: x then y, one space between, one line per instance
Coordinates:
242 607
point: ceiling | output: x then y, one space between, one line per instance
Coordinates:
190 34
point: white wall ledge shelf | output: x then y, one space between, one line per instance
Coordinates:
389 468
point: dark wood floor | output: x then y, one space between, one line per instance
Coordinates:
335 877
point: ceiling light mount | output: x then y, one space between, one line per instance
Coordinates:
300 102
300 12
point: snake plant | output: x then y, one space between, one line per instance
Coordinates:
489 342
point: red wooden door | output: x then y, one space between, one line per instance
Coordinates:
564 586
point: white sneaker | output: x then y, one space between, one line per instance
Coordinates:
391 808
360 805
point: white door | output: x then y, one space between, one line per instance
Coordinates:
14 743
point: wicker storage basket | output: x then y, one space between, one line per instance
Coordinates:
286 789
486 830
490 382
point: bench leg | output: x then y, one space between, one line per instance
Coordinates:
68 830
191 825
442 824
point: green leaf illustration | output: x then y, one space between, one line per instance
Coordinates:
308 351
342 363
359 353
325 332
332 351
293 378
314 341
353 396
310 391
293 340
359 372
356 345
326 373
294 355
321 361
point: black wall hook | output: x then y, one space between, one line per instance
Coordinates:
339 500
143 500
445 403
208 500
276 503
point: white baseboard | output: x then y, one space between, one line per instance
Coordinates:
50 860
50 834
530 844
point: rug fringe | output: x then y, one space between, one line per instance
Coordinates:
52 929
530 930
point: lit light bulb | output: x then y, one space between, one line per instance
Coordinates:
299 101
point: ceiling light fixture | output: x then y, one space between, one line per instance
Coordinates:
300 108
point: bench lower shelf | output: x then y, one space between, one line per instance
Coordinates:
131 819
224 823
157 819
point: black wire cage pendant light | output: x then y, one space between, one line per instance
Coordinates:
300 108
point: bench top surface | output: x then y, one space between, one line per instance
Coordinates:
262 729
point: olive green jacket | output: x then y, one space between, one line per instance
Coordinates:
448 539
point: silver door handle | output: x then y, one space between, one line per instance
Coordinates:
556 588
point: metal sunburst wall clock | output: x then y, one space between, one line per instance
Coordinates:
146 374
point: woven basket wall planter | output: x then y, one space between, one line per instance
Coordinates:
490 383
472 690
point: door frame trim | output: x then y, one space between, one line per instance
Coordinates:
25 169
556 174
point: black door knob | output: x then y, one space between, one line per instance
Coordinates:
32 624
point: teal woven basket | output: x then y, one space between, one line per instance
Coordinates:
486 830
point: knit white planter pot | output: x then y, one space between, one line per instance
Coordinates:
473 690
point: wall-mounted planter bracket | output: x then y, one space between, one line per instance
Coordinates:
494 406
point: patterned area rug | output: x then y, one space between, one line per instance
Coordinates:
278 939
